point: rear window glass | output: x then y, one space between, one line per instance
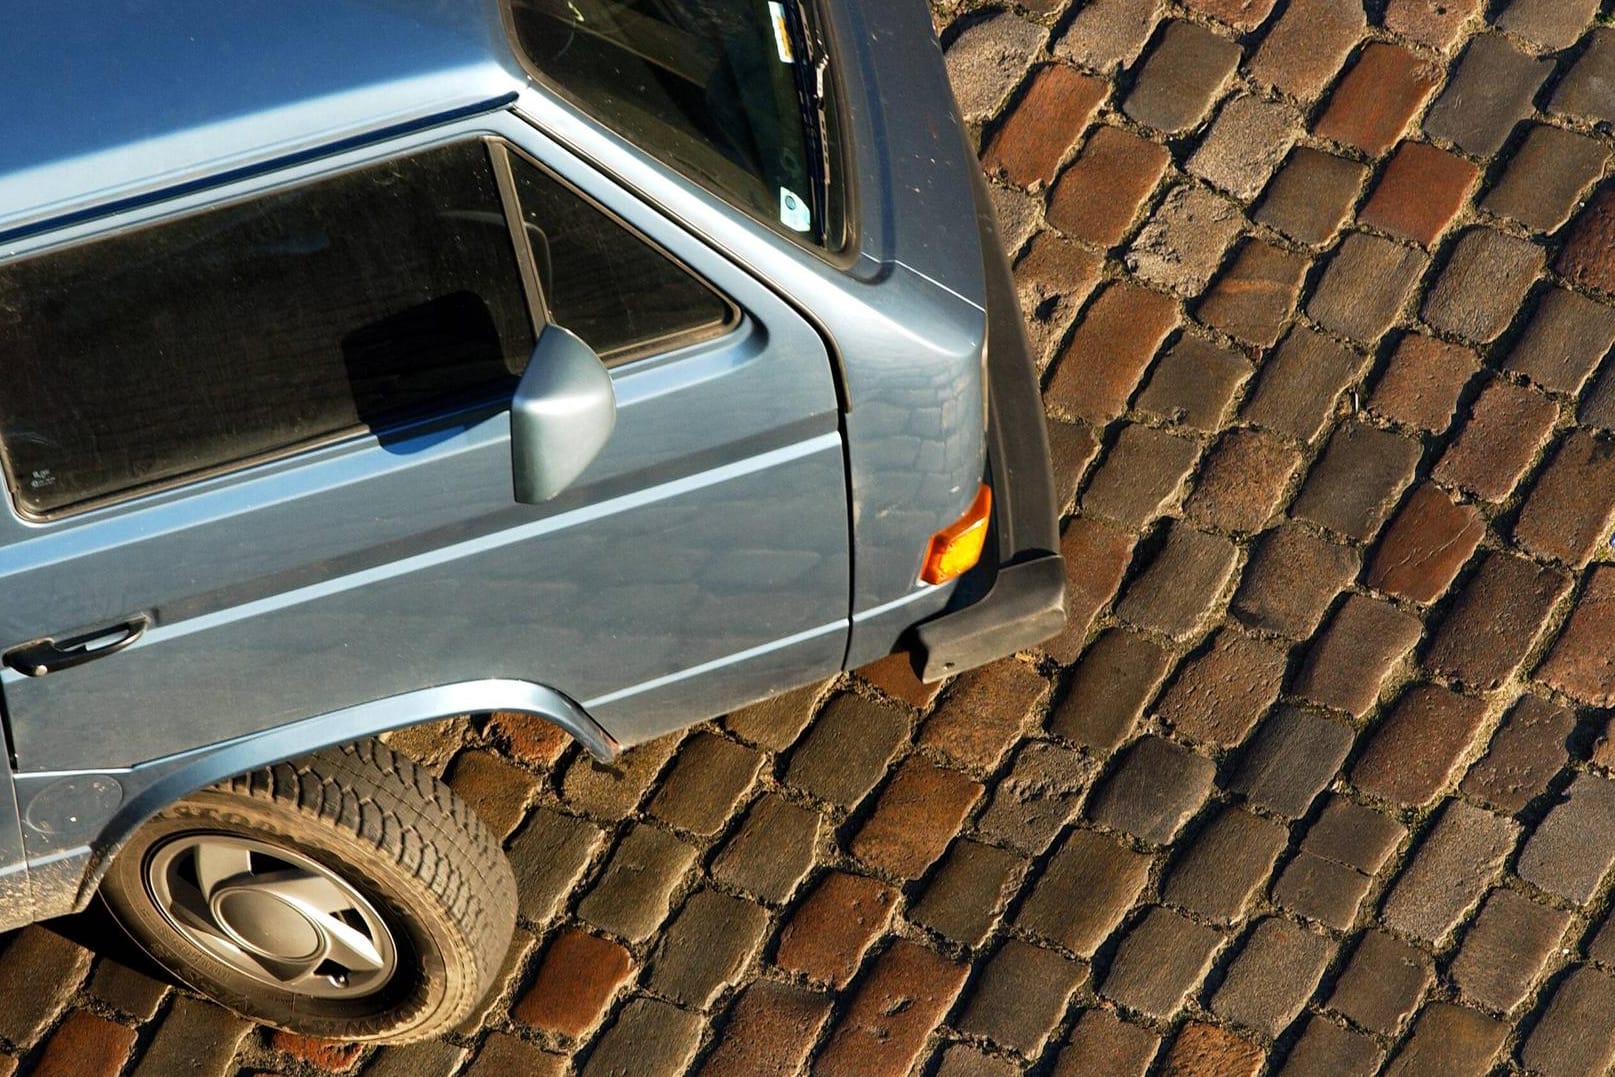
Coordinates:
726 91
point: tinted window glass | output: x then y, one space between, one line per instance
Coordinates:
717 88
248 329
602 282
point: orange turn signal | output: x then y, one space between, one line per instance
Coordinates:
957 547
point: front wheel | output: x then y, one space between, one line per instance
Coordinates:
348 894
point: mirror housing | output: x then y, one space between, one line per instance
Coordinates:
561 416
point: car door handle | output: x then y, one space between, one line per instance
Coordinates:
41 656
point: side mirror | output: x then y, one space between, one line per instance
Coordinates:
561 417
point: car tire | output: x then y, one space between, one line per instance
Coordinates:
348 894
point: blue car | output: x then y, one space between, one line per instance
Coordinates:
619 362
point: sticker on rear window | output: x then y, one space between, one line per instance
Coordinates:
782 35
794 213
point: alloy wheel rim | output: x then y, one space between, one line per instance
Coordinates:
272 914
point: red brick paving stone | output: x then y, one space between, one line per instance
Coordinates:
612 791
499 791
771 1028
1566 338
964 898
1420 387
1483 285
1553 24
1321 890
1224 865
918 812
1101 1042
1040 794
1449 872
85 1045
1020 995
1588 258
548 856
1572 506
707 948
984 712
195 1036
576 981
775 723
531 739
1505 950
846 751
1327 1050
1203 1050
1140 476
1028 148
827 935
772 851
1430 22
503 1055
1193 383
1359 478
707 779
1255 296
1109 32
1496 618
1085 890
1246 144
1574 847
1289 761
1304 50
1346 665
1291 578
988 59
1420 192
39 971
1356 836
1240 14
1580 664
1053 279
1428 541
1299 383
1449 1041
325 1054
1180 587
906 994
630 897
1586 91
1312 195
1546 177
1219 695
1371 106
1097 197
1181 77
1072 447
1383 984
1275 973
1242 481
1529 748
1112 684
1160 961
1490 93
1498 441
1115 340
1096 557
649 1039
1182 243
1577 1033
1365 286
1154 791
1418 751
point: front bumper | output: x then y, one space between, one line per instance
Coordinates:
1015 597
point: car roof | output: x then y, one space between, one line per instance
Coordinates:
115 100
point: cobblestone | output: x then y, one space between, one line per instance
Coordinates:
1450 871
1054 277
1577 1033
1242 481
1528 749
846 751
1182 584
1489 94
1106 33
1420 193
1365 287
1436 23
1021 995
1305 48
1327 1050
1586 257
650 1039
1248 140
1097 198
1202 1050
1586 92
705 948
828 934
1419 750
1181 78
1574 847
1221 694
1429 540
705 783
576 981
772 851
1112 684
984 712
1569 512
1496 618
1421 386
1495 446
1372 105
1083 893
86 1046
1096 557
904 997
1140 476
1362 473
1290 581
1312 195
1158 786
1289 761
1161 960
1553 24
1273 976
988 59
1225 865
1193 383
1506 949
1321 890
39 971
1101 1042
1580 664
1045 125
631 897
1102 365
963 900
1300 382
1449 1039
771 1029
917 813
1182 243
1546 177
1350 661
1383 984
1482 287
1039 795
1350 834
1254 297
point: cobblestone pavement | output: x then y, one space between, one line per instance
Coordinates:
1317 780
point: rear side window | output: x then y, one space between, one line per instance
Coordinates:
359 301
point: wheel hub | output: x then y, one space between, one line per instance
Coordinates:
272 913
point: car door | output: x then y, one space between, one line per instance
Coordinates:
265 468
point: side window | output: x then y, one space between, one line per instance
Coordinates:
620 295
249 329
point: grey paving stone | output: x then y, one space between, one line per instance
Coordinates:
1351 659
1290 759
650 1039
1577 1033
1106 33
1155 790
1311 196
1360 477
846 751
1482 287
772 851
1489 94
1383 984
1567 336
1140 475
1275 973
1553 24
706 947
1449 1039
548 857
1321 890
1291 579
1547 176
1574 847
1084 891
1182 584
194 1037
1588 90
988 59
1450 871
1353 835
1162 959
1327 1050
1248 140
1021 995
127 990
1116 677
1181 78
1224 865
39 971
1505 950
1366 285
630 898
1039 795
1182 243
967 894
1300 382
